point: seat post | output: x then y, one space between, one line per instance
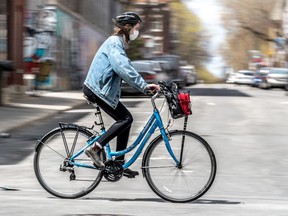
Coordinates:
97 113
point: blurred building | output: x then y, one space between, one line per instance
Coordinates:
51 42
59 38
155 29
11 46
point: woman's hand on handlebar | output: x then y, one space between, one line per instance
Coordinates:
152 88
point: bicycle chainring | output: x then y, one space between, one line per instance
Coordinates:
113 171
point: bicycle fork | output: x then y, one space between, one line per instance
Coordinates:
167 139
183 141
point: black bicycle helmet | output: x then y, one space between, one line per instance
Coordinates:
127 18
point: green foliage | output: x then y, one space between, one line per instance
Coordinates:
190 36
206 76
188 29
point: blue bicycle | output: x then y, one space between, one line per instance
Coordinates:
178 165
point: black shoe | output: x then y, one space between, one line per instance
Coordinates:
130 173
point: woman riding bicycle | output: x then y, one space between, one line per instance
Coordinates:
103 85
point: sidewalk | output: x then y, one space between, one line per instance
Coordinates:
32 108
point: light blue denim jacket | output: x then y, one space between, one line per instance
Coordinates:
109 66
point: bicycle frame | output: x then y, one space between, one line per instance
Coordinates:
154 122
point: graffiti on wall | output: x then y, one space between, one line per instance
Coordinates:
52 31
39 44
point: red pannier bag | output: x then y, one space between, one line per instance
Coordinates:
185 103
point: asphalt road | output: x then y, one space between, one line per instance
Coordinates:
245 126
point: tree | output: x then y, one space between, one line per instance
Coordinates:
249 24
187 31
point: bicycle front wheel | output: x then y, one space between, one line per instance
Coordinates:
182 182
54 170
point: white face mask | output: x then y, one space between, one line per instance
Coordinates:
133 35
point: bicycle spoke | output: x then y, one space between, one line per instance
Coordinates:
61 155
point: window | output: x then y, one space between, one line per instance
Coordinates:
156 26
158 47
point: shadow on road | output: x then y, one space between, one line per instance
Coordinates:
223 92
200 201
213 92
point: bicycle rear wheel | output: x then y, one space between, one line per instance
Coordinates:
186 182
53 170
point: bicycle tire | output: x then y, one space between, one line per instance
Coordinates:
50 154
179 184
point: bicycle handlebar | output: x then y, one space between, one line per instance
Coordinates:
153 98
165 87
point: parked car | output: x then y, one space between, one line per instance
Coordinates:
244 77
147 69
190 74
276 77
231 78
260 77
163 74
171 66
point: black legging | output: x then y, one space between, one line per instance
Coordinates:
121 128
